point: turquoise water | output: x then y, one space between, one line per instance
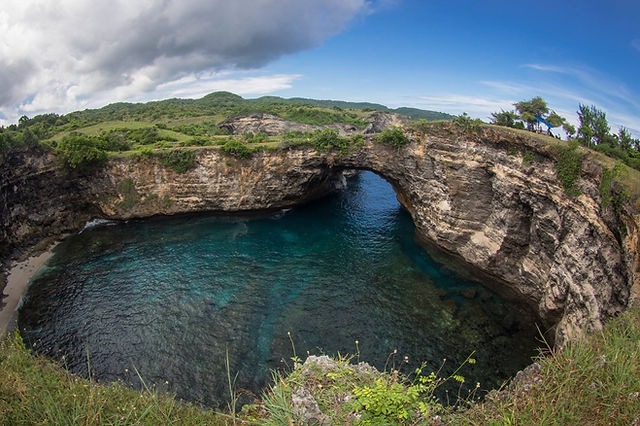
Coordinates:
166 299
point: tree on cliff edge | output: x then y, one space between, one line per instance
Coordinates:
530 109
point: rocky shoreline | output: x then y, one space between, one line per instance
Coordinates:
15 281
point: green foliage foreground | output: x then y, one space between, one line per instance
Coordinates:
36 391
569 167
345 393
594 381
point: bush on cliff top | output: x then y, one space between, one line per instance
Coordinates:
237 148
81 152
393 136
179 160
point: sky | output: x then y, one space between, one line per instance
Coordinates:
452 56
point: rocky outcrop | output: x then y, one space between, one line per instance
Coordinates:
38 199
491 198
378 121
263 123
273 125
269 180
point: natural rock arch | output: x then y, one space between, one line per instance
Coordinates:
473 195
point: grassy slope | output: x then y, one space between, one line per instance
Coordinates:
595 381
36 391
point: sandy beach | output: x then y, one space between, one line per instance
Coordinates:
17 283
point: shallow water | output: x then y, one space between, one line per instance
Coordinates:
167 299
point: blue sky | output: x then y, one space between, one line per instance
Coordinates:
478 57
451 56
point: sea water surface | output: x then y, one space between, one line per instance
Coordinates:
167 301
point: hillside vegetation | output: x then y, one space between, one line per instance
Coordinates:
187 120
593 381
85 139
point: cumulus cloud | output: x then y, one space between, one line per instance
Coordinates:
59 55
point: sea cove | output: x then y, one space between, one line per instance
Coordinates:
165 300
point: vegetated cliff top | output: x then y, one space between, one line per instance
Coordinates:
219 106
137 128
182 120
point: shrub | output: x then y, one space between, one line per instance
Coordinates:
393 136
569 167
144 153
179 160
114 141
81 152
295 138
612 193
467 123
328 139
357 141
8 139
259 137
236 148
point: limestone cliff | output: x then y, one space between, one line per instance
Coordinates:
471 194
38 199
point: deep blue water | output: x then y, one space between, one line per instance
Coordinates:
167 299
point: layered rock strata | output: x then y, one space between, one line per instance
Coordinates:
492 199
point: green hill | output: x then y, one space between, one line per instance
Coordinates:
219 106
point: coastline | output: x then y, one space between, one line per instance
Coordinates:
17 280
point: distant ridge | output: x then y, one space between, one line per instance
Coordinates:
413 113
224 105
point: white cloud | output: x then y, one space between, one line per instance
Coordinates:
594 82
56 56
478 107
635 43
565 88
195 87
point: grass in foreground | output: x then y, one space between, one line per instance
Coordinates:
595 381
36 391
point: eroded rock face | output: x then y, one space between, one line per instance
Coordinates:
471 195
218 183
273 125
263 123
513 221
38 199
